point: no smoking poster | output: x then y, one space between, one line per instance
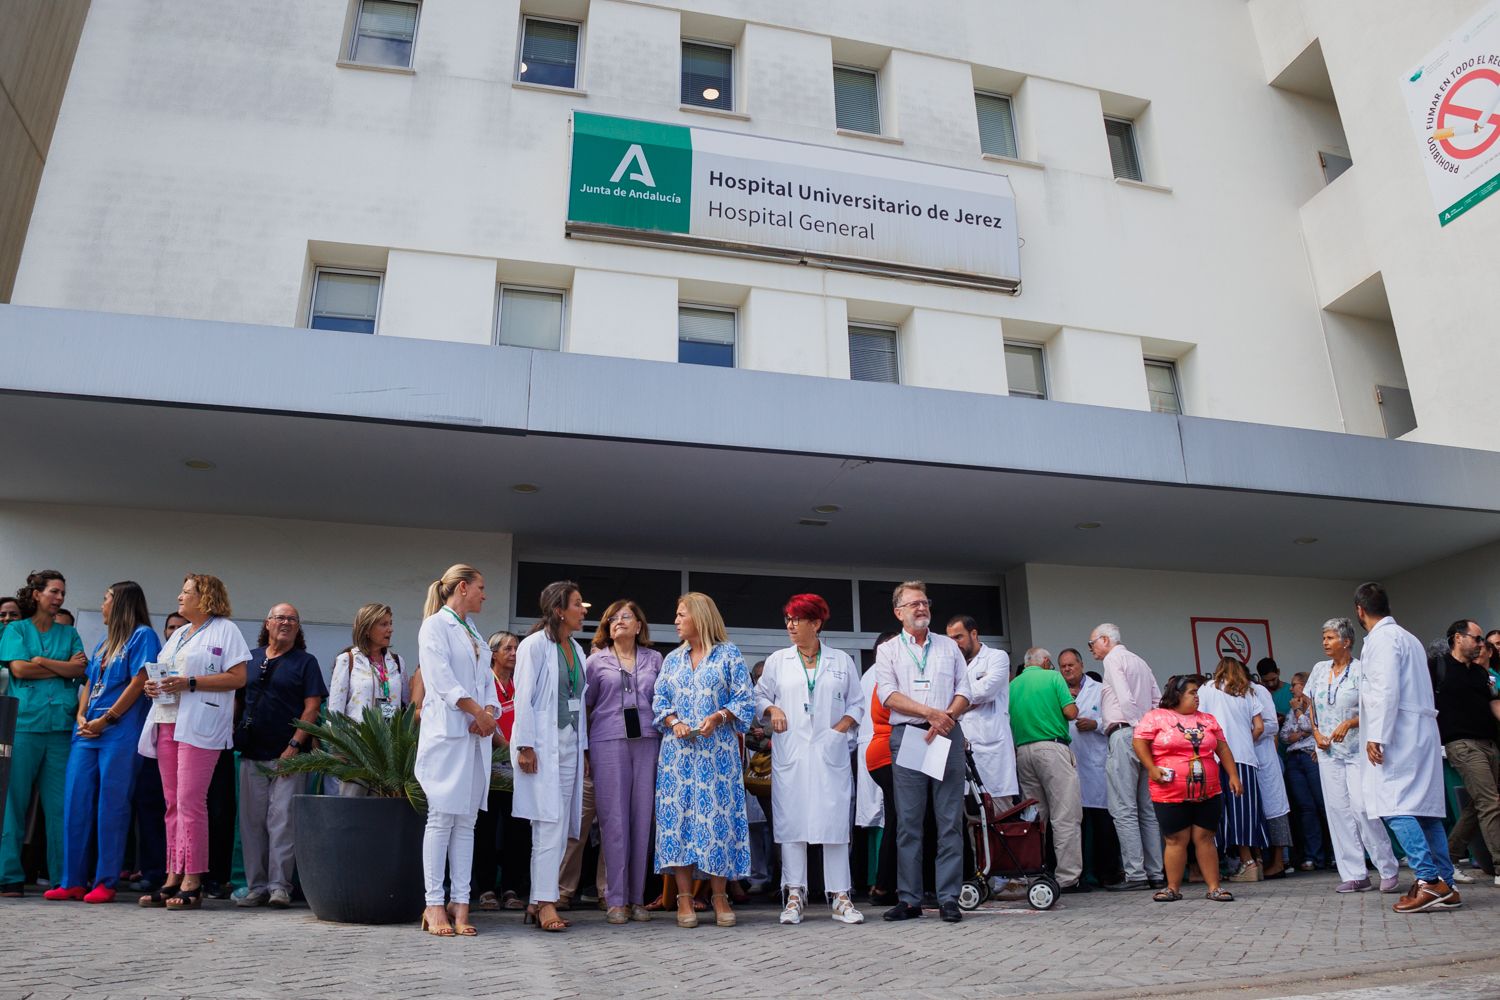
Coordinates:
1453 98
1245 639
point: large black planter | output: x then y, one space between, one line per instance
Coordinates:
359 859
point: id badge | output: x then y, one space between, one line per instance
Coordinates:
807 707
575 705
387 710
921 685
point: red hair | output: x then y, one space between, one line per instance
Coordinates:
807 606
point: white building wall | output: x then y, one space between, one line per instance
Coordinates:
325 568
1153 609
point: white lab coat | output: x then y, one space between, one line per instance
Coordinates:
1273 800
811 780
1092 747
1396 710
869 800
453 764
540 796
987 724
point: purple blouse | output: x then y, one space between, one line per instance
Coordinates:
611 690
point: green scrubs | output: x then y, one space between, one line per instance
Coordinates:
45 720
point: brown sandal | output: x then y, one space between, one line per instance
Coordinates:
460 927
554 925
1220 895
436 930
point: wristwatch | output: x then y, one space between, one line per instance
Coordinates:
192 683
294 745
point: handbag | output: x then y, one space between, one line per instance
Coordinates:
758 773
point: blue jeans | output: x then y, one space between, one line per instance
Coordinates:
1426 845
1306 790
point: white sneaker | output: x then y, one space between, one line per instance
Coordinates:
1462 877
792 912
844 911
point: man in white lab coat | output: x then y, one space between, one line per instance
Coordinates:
1403 775
987 721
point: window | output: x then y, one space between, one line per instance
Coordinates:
345 300
997 129
856 99
747 600
872 354
708 75
384 33
705 336
1397 415
1024 372
1123 155
655 590
982 603
1161 387
531 317
549 53
1333 165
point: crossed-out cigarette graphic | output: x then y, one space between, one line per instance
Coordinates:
1479 124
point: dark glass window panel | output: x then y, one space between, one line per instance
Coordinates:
351 324
751 601
708 76
655 590
981 602
549 54
690 352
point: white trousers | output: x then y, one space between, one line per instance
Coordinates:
836 876
549 841
1354 833
449 838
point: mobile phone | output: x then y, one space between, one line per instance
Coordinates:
632 723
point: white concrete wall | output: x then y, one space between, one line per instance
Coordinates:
1103 369
1428 598
200 150
1365 354
326 569
953 351
1153 609
438 297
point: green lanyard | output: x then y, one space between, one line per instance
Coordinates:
812 680
572 662
926 648
473 636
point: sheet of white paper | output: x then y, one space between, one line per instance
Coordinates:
916 754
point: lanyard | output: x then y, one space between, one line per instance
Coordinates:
181 644
473 636
383 675
97 687
926 648
572 662
1333 686
812 679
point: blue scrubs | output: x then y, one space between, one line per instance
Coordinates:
102 770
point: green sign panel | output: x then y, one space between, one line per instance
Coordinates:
631 174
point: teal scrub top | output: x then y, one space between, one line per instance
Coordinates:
50 705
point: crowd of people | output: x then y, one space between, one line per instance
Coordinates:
695 766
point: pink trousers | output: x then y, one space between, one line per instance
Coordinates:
185 773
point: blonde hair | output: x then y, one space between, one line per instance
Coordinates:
1231 677
443 587
365 620
705 614
213 596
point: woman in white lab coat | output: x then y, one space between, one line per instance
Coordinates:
453 749
811 696
549 742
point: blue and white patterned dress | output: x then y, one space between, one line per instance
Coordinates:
700 786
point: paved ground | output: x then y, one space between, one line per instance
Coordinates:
1292 937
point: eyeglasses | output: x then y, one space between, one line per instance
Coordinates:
282 619
623 616
792 622
915 604
1097 638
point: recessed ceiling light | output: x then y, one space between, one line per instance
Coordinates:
812 522
524 488
711 93
1088 525
827 508
199 464
1304 540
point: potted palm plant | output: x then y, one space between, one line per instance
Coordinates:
360 859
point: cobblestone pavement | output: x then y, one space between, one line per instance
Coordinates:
1278 939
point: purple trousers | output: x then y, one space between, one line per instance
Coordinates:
625 798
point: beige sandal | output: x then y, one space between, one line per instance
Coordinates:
690 918
724 917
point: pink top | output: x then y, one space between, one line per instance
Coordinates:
1171 735
1130 689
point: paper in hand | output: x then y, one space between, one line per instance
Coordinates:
916 754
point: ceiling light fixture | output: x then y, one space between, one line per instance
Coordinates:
827 508
1088 525
525 488
1304 540
812 522
199 464
710 93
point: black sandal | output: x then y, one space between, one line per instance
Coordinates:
186 899
1167 896
157 899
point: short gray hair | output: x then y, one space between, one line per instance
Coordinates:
1036 656
1111 631
908 585
1343 626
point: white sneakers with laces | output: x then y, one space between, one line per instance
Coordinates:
792 912
844 911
